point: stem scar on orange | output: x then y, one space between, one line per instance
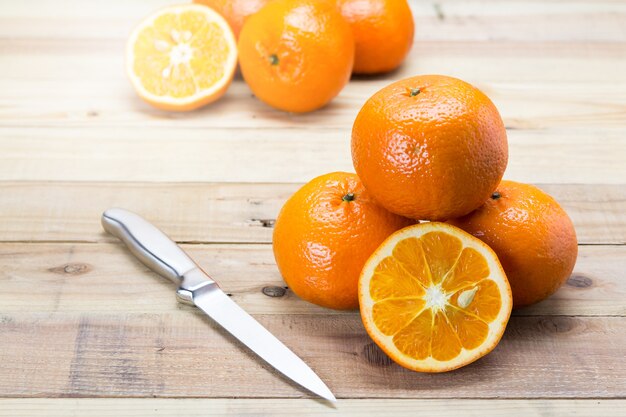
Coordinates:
323 235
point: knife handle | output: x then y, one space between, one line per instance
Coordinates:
150 245
158 252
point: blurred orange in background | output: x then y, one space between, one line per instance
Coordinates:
383 33
234 11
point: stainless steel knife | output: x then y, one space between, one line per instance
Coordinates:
195 287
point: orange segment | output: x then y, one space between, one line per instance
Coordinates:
435 244
434 298
414 339
395 313
393 281
470 268
445 343
206 64
470 330
181 57
409 254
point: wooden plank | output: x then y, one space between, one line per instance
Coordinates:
443 19
187 355
101 279
516 61
230 212
188 212
103 131
290 407
86 319
271 155
534 86
28 100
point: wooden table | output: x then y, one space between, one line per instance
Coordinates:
86 328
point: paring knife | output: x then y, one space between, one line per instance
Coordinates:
166 258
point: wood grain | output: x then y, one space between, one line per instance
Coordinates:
79 317
273 155
302 407
80 120
444 19
101 279
237 212
555 95
173 355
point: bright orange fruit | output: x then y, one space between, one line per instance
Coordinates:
323 235
383 33
533 236
181 57
434 298
429 147
296 55
234 11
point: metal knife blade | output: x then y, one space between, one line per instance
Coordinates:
152 247
218 306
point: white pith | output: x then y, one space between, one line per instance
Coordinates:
181 52
436 299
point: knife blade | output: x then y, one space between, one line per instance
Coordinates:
159 253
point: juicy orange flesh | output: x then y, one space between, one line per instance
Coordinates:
434 297
180 54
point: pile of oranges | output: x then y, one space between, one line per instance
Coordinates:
426 239
296 55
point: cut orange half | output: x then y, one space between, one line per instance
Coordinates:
434 297
182 57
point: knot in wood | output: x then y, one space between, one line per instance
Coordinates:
558 324
273 291
71 269
264 222
375 356
579 281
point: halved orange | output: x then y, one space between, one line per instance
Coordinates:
434 297
182 57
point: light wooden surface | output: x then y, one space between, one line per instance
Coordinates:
85 329
291 407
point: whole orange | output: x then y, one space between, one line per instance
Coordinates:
429 147
324 234
234 11
532 235
383 33
296 55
